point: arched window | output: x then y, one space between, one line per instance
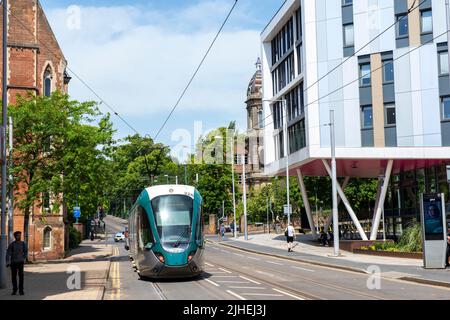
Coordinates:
47 241
47 82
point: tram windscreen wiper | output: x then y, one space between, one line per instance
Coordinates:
181 236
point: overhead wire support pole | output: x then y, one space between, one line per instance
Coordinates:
11 183
3 243
334 187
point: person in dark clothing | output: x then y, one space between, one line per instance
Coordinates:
16 255
448 248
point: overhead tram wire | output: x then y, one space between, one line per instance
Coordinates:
410 10
196 71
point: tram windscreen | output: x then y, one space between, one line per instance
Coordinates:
173 217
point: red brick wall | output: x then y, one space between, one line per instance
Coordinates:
32 47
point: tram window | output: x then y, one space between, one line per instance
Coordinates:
199 233
145 231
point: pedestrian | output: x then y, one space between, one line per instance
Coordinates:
290 235
447 264
16 255
222 231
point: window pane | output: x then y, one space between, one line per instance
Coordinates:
402 25
388 71
443 63
427 21
390 115
367 117
349 39
446 108
347 2
47 87
365 74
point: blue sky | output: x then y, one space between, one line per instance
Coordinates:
138 56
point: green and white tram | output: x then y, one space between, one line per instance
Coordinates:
165 236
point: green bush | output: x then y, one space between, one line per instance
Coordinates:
75 238
411 240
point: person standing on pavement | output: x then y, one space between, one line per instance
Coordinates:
448 248
222 231
290 235
16 255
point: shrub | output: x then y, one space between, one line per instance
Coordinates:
74 238
411 240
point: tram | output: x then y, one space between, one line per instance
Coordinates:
165 232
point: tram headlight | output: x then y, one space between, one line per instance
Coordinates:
191 256
160 257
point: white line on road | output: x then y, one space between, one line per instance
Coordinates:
212 282
248 288
224 276
209 264
304 269
262 294
279 264
288 294
238 254
223 281
253 258
225 270
255 282
236 295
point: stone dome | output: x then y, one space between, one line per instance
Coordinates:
255 85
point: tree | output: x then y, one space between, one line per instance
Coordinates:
59 149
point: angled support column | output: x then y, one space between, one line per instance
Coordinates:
376 223
347 204
330 217
306 203
377 199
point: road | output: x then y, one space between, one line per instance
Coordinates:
231 274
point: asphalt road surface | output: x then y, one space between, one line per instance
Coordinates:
232 274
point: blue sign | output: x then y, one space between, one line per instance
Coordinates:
76 212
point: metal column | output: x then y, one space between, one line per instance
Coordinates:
306 203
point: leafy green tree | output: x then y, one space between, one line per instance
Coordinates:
60 145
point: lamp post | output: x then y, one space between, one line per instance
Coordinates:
3 242
245 198
334 187
232 178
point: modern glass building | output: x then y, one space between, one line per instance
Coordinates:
383 67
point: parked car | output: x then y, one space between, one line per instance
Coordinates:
119 237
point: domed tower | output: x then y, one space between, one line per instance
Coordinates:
255 123
254 100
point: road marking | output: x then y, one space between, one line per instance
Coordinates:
224 276
236 295
253 258
288 294
251 288
212 282
304 269
266 273
262 294
255 282
224 251
238 254
232 281
225 270
279 264
209 264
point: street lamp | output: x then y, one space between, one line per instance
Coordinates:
286 151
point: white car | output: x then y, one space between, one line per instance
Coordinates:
119 237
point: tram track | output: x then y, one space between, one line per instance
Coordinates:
308 296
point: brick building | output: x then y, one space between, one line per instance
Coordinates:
36 64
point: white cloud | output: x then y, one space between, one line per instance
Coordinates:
139 59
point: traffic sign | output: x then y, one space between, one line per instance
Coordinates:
448 174
286 211
76 212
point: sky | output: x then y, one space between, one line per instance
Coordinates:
139 55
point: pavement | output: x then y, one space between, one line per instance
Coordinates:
307 250
57 279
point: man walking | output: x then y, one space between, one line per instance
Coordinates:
15 258
290 235
447 264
